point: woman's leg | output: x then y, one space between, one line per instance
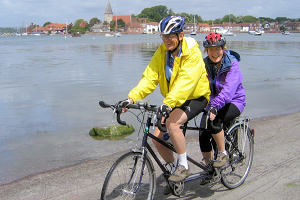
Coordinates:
225 114
220 140
206 145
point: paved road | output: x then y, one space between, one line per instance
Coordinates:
275 172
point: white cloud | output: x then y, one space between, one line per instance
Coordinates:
6 3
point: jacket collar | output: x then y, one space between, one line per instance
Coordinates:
226 62
187 44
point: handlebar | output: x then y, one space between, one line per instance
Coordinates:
139 105
148 107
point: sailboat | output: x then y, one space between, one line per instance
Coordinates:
117 34
226 32
285 32
194 32
24 33
258 32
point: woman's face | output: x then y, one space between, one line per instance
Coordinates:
215 54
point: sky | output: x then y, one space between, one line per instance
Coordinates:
16 13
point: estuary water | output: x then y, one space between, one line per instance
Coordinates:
50 87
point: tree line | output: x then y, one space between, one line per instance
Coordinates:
156 13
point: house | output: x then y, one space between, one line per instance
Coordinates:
97 28
55 28
50 28
127 19
83 24
204 27
293 26
150 28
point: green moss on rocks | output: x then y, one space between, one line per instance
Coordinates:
113 132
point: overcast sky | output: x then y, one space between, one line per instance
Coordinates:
14 13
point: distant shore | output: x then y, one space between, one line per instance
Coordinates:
274 173
132 33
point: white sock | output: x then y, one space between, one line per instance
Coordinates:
225 152
175 163
182 160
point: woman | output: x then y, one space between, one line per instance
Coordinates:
227 99
178 67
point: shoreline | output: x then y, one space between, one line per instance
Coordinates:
120 152
90 160
84 180
134 33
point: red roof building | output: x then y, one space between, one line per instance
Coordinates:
127 18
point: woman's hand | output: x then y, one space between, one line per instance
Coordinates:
212 116
212 113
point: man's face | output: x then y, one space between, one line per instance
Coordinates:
171 40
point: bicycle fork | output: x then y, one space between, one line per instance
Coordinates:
143 160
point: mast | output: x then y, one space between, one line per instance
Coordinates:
116 24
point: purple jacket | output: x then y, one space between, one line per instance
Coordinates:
226 86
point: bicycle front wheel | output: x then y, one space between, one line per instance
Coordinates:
239 145
131 177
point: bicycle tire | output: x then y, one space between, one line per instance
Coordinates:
122 180
240 146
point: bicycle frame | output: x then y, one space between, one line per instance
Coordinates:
145 145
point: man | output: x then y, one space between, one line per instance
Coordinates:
178 67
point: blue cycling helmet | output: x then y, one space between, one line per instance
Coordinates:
171 24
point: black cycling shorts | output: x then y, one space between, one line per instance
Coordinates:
224 115
193 107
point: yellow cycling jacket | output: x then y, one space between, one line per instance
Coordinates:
188 81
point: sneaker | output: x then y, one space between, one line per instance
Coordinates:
180 174
170 167
221 160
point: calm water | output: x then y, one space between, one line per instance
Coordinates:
50 87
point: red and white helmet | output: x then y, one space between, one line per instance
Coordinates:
214 40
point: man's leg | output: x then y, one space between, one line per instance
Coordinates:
176 119
163 151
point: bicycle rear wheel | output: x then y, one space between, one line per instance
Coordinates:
239 145
130 178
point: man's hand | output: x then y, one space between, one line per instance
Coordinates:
165 110
123 104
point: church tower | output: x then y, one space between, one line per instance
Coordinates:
108 14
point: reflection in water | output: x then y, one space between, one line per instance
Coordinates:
109 50
50 88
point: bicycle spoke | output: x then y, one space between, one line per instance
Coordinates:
240 148
124 180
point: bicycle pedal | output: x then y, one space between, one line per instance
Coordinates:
177 188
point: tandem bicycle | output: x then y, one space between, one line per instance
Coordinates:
132 176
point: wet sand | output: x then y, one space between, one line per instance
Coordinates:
275 173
